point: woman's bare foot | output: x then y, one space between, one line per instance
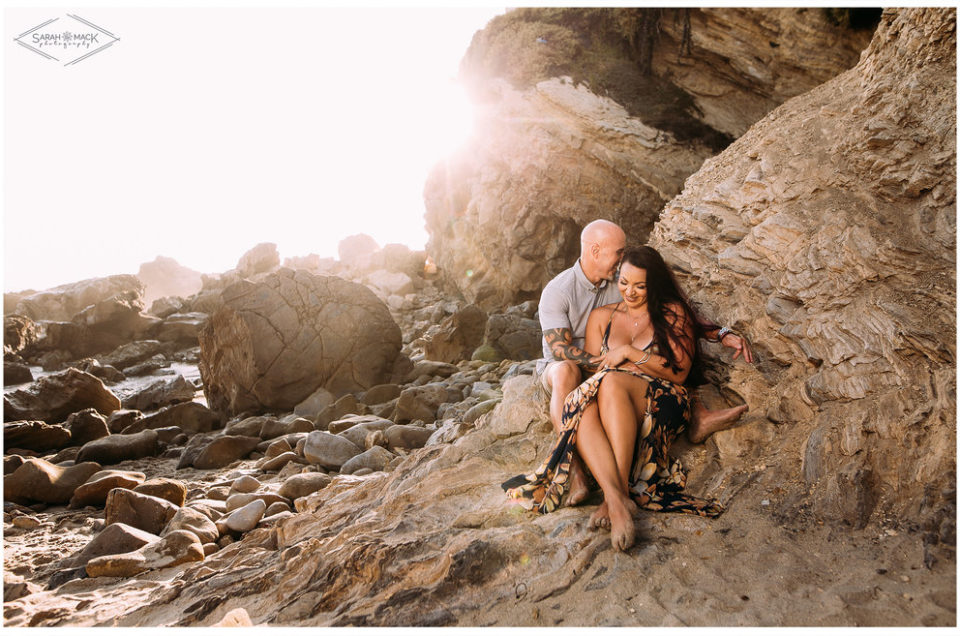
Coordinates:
622 532
578 483
705 423
600 517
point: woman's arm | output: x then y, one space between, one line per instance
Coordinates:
656 365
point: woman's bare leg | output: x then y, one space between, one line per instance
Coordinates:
596 451
623 402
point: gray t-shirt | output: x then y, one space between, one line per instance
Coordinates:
566 303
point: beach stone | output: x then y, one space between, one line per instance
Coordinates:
304 484
182 328
35 436
86 426
277 448
15 586
376 458
315 403
68 454
241 499
190 416
180 546
26 522
247 483
131 353
147 367
513 336
54 397
276 508
107 373
65 301
114 449
420 403
161 393
243 519
406 436
121 419
380 394
219 493
350 421
16 373
115 538
271 345
37 480
359 433
19 334
250 426
169 434
328 450
456 336
276 428
433 368
278 461
210 548
225 450
346 405
390 283
196 522
167 305
12 462
173 490
145 512
94 491
475 411
450 431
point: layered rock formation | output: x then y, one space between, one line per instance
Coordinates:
827 234
504 213
163 276
65 301
276 341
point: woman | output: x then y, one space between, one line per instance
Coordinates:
623 422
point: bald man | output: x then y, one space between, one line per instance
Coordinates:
565 305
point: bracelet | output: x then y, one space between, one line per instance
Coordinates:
643 359
723 331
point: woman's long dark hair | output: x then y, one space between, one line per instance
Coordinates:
663 290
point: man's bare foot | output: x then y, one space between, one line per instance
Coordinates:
622 532
578 483
600 517
705 423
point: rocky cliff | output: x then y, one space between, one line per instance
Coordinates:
827 233
550 154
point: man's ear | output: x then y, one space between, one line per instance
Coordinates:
595 250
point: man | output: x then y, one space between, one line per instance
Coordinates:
565 305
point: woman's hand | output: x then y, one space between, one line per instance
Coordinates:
739 344
617 356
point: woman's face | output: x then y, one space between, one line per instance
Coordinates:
633 285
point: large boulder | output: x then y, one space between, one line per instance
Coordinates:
455 338
39 480
827 235
138 510
114 449
182 328
19 333
276 341
110 323
64 302
181 546
163 276
54 397
260 259
35 436
163 392
190 416
86 426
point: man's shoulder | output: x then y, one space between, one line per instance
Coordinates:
560 282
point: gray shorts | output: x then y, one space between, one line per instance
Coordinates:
540 374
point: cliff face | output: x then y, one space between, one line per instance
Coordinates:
550 155
827 234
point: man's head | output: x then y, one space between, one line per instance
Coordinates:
601 247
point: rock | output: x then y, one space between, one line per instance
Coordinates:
433 368
249 426
52 398
114 449
129 354
350 421
277 448
359 433
456 337
173 490
107 373
15 373
376 458
315 403
68 454
194 521
35 436
11 463
329 451
14 587
121 419
166 306
86 426
513 336
65 301
225 450
276 428
94 491
19 335
420 403
161 393
276 341
356 250
148 366
247 483
163 276
390 283
107 325
277 462
237 617
138 510
304 484
240 499
190 416
380 394
803 235
405 436
182 328
115 538
243 519
347 405
26 522
261 259
477 410
39 480
175 548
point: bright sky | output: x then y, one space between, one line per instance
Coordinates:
203 132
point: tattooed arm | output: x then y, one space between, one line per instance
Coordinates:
561 344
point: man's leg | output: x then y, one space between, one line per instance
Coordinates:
561 378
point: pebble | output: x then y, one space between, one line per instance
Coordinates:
247 483
26 522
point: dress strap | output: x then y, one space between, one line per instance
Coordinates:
604 347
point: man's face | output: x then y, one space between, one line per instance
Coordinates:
608 260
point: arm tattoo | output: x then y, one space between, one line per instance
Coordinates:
561 344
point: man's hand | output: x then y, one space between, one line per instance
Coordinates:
739 344
560 342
